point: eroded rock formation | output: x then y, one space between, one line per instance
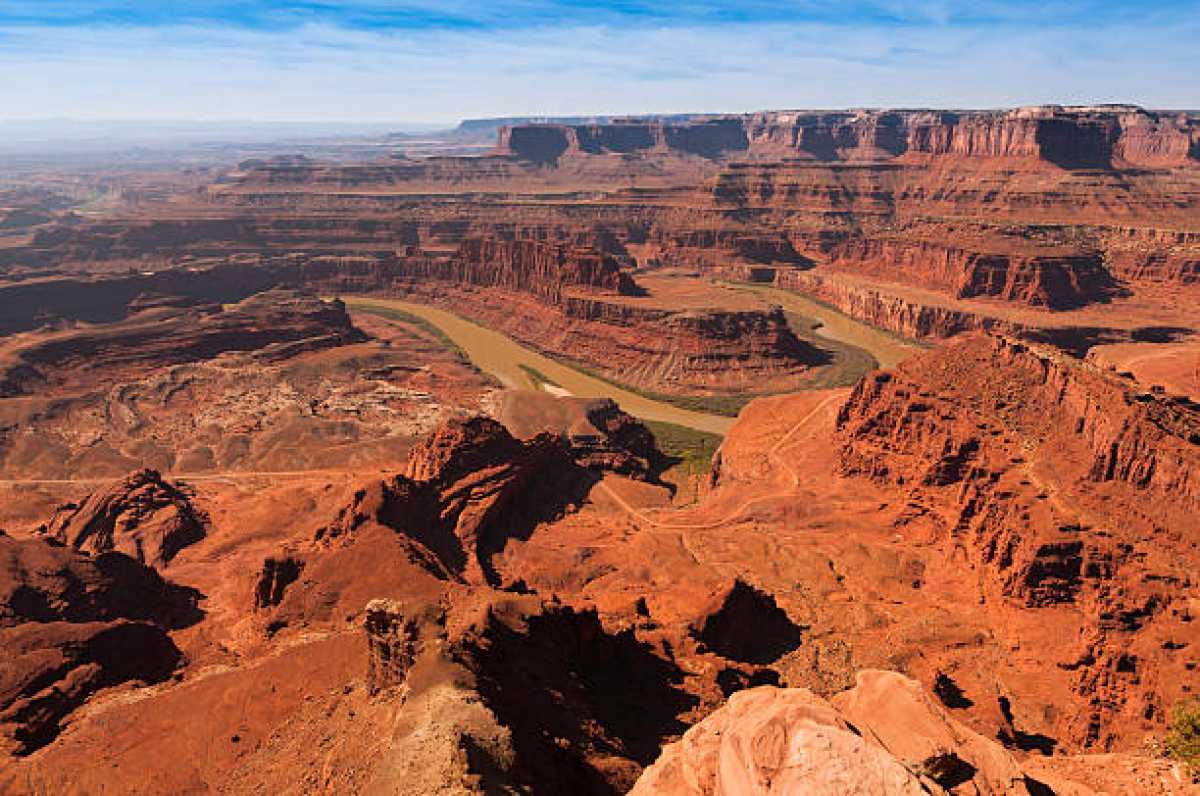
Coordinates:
276 324
72 625
471 486
143 516
568 707
1061 486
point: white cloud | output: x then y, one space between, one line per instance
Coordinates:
322 72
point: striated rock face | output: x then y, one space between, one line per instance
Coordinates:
71 625
694 351
692 247
906 317
537 267
1063 487
885 736
1054 281
143 516
546 143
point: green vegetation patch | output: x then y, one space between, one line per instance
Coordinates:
847 363
1182 742
689 449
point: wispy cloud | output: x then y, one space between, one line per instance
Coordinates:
418 61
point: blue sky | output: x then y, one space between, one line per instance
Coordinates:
425 61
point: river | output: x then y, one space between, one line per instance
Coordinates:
502 357
888 350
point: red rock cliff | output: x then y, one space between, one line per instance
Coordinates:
537 267
1100 137
1061 486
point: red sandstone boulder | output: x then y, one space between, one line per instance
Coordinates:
899 715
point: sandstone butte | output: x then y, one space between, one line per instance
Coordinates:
260 539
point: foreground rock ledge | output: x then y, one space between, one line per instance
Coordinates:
884 737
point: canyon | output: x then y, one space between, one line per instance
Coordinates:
793 451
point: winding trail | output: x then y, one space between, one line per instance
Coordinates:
743 507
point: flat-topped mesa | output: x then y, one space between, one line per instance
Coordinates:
538 267
546 143
1101 137
271 325
1085 137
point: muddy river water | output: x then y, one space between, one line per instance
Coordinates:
502 357
887 349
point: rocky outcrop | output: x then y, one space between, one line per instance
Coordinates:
392 636
569 707
274 324
614 441
885 736
465 491
471 486
1062 486
72 625
1052 280
722 246
143 516
909 318
278 572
